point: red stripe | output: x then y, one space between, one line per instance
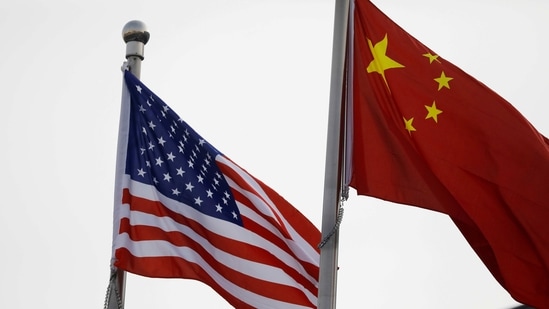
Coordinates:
311 269
261 287
221 242
260 229
229 172
299 222
295 218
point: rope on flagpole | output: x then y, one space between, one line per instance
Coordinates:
339 218
113 286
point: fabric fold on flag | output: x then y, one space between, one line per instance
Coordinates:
184 210
423 132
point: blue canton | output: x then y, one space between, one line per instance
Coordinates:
165 152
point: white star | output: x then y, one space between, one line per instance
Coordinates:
200 179
189 186
198 201
151 146
171 156
210 193
159 161
234 214
151 125
144 130
201 142
167 177
180 171
191 164
142 109
218 208
175 191
141 172
138 88
227 194
161 141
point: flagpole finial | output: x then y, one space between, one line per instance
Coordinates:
135 35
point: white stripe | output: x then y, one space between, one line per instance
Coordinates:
218 226
299 245
143 248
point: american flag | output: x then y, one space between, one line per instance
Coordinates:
184 210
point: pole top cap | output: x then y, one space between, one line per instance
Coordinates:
135 31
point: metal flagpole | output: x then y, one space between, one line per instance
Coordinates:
135 36
331 214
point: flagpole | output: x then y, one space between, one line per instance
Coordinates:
327 288
135 36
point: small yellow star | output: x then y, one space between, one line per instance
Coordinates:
381 61
432 112
431 57
408 125
443 81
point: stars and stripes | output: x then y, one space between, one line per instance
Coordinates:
187 211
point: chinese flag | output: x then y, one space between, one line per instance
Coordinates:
425 133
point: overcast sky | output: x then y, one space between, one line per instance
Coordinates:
252 77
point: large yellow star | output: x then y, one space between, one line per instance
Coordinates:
408 125
443 81
433 112
381 61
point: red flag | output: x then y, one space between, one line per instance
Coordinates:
185 210
425 133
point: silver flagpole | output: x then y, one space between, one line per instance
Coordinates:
332 178
135 36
